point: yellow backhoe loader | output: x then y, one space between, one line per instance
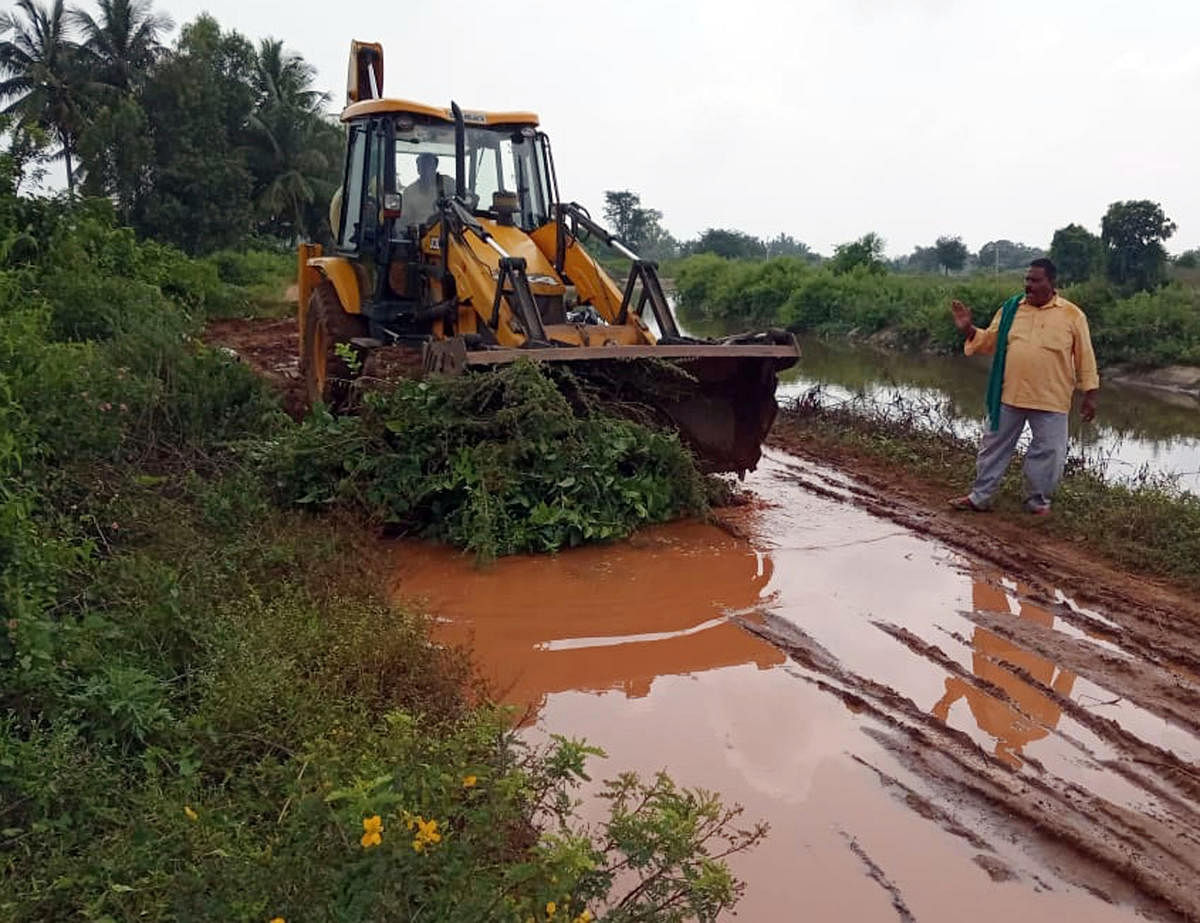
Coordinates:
453 253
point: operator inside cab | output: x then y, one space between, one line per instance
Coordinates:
419 202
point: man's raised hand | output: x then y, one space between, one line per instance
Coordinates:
962 317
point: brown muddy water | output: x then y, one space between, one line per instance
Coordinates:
929 740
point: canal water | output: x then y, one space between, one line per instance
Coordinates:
1136 429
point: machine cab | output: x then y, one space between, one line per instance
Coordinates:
399 164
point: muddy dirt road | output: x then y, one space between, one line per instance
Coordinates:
934 735
942 718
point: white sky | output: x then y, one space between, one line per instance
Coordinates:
821 118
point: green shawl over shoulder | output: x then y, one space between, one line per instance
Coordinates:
996 379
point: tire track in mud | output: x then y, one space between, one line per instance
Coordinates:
1133 840
888 492
1161 633
876 873
1127 856
1183 793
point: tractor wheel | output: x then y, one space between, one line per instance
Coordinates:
327 375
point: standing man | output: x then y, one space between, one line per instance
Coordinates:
1042 353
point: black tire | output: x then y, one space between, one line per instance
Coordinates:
328 377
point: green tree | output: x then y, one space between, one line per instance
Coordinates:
119 48
866 254
122 44
43 83
1077 252
786 245
951 253
284 78
660 244
1006 254
635 225
198 104
729 244
116 154
295 159
1188 259
1133 233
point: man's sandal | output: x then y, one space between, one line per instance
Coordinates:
966 505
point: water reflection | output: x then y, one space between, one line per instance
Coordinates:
597 618
1029 714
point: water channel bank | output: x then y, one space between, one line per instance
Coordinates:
932 733
1137 428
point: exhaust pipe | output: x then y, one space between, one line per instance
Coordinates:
460 150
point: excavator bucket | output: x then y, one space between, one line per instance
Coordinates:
723 404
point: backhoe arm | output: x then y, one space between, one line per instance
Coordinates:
512 283
644 271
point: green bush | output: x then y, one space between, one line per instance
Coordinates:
497 464
251 267
1147 329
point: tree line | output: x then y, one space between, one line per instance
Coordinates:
202 143
1129 251
213 140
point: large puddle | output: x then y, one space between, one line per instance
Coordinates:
928 739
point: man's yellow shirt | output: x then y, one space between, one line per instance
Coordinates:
1049 355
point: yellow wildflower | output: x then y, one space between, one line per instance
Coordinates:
551 909
427 833
585 917
469 781
278 920
191 815
372 831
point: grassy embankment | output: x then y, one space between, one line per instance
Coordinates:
205 710
1148 525
1146 329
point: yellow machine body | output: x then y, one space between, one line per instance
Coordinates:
481 283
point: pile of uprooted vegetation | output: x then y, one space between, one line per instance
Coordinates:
496 463
206 713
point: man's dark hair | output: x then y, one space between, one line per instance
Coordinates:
1047 266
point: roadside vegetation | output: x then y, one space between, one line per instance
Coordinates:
1143 306
1146 525
1146 328
206 711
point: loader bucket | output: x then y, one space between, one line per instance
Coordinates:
723 407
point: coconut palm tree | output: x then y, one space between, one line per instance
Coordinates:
292 162
41 81
286 79
123 41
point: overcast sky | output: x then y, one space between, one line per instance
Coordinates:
821 118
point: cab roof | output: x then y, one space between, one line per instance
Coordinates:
470 116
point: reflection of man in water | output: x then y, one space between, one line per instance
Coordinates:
1029 714
419 202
